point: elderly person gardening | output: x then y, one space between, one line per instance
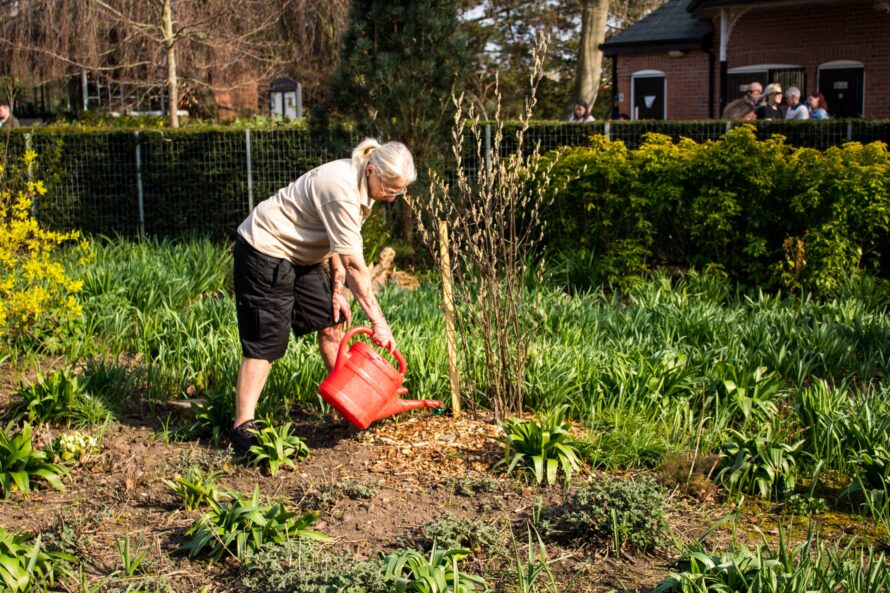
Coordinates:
280 282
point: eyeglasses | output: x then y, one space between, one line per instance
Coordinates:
389 192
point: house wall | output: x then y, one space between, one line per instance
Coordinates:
812 35
686 80
806 36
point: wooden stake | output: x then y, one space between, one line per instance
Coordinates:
448 298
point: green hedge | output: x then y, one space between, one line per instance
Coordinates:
194 179
764 211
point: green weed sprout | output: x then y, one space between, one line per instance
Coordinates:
196 488
131 559
277 447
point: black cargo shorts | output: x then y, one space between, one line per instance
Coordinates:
274 297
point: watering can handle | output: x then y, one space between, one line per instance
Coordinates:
361 329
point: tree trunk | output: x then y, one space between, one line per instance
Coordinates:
172 83
594 15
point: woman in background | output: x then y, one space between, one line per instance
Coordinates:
818 106
581 112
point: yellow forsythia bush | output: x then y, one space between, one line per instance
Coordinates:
36 292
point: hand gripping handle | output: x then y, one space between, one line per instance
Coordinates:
361 329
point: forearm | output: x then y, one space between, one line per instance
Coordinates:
359 278
338 274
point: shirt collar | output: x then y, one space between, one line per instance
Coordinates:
367 202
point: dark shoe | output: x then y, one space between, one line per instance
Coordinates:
242 438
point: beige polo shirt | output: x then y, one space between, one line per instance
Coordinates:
318 214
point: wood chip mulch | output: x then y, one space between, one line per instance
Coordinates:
438 447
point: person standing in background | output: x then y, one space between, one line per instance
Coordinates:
755 93
7 120
818 106
770 109
796 109
581 113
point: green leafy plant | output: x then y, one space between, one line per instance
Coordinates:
241 527
623 514
810 566
88 411
449 532
804 505
131 559
196 488
20 463
761 465
477 483
73 447
51 398
871 479
276 447
751 396
536 565
213 416
309 567
540 448
58 397
26 567
413 572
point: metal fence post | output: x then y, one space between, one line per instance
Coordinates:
249 171
728 126
607 130
849 131
139 190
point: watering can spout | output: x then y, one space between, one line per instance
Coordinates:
397 406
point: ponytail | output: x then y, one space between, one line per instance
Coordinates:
363 151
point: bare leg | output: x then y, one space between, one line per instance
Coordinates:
251 379
328 344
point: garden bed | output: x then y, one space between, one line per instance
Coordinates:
377 491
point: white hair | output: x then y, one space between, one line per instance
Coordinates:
392 159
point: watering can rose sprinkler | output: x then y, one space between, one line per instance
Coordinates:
363 387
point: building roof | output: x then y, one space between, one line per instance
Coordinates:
697 7
670 27
283 85
698 4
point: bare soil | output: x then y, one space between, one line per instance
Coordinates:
419 467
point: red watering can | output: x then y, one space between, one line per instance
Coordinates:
364 387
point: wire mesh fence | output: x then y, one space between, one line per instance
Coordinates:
175 183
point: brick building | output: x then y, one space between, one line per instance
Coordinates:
690 57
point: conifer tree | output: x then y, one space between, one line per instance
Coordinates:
400 61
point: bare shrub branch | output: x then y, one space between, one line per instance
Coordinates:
493 212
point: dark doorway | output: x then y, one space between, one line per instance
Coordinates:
649 97
789 77
737 84
843 90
